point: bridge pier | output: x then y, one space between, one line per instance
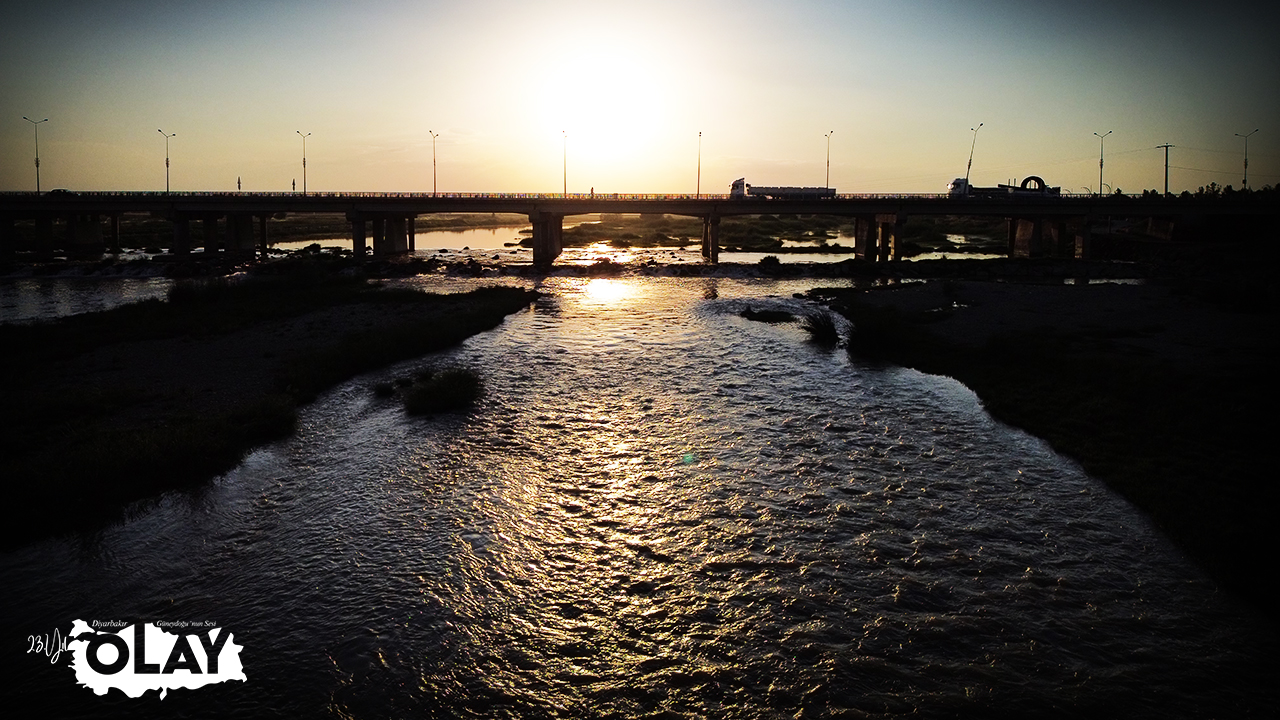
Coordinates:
262 235
358 247
240 234
1026 238
864 237
1043 237
1058 245
390 234
8 238
411 231
548 236
1084 239
888 236
84 234
379 230
877 238
711 239
210 223
44 237
181 235
397 242
114 225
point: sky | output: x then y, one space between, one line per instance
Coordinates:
534 95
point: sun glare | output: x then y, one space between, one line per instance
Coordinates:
607 102
605 291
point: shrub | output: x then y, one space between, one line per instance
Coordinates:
821 326
449 389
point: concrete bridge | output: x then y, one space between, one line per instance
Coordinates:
1037 225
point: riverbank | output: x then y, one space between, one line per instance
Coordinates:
1159 389
107 408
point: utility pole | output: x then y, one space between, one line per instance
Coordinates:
1166 147
698 189
565 161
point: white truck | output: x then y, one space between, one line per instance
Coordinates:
740 190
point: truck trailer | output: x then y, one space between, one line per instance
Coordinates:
740 190
1033 186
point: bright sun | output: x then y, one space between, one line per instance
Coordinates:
607 102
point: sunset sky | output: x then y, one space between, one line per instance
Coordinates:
632 85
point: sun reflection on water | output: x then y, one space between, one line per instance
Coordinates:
608 291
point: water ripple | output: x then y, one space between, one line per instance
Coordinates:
660 508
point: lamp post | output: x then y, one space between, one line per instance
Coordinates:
304 161
698 190
829 134
972 145
1102 139
1246 156
433 135
566 162
36 123
166 158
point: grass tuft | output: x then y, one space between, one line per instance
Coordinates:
767 316
821 326
447 390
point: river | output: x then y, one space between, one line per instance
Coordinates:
657 509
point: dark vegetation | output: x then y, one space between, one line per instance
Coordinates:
767 316
449 389
106 408
1191 448
821 326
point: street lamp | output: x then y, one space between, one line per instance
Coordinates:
698 190
566 162
304 161
1246 156
829 159
972 145
1102 139
36 123
166 158
433 135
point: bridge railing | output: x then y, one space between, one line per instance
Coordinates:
339 195
970 201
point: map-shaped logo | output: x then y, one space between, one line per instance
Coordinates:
144 657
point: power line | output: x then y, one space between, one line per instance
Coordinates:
1221 152
1217 172
1228 152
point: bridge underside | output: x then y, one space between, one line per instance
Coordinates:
83 224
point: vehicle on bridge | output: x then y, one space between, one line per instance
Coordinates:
741 190
1032 186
